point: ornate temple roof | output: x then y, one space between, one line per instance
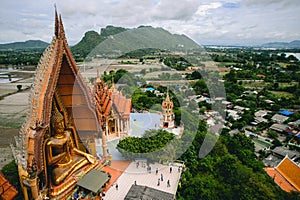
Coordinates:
108 98
57 74
167 103
121 104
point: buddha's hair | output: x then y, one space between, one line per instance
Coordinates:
56 115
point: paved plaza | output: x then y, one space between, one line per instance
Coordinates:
144 178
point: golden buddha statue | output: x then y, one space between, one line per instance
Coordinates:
63 157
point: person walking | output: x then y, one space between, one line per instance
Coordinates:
158 183
168 183
161 177
171 169
117 186
156 172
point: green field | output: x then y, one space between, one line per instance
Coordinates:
280 94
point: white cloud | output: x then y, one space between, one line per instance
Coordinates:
204 9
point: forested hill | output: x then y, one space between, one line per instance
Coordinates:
91 39
126 40
30 44
294 44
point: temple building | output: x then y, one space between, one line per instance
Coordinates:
113 110
56 147
286 175
168 115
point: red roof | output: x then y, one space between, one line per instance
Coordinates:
106 98
286 175
121 104
7 192
290 171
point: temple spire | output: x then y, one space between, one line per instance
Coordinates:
56 27
168 97
61 28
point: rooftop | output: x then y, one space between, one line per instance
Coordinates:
279 179
278 127
8 192
279 118
290 171
139 192
283 151
93 180
286 112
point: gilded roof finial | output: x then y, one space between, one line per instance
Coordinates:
168 97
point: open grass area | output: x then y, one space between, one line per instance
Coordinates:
254 84
11 122
281 94
288 84
222 64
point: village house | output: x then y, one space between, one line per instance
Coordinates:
279 118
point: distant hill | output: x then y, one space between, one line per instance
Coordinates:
121 40
293 44
90 40
30 44
111 30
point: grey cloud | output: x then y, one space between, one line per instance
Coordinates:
218 21
170 10
283 3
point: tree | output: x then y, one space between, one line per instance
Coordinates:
143 71
272 134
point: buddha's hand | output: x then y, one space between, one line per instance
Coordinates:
91 158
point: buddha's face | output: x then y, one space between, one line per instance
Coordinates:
59 126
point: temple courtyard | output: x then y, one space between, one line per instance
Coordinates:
123 179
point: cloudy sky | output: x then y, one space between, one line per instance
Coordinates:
205 21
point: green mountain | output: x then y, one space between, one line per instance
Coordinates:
30 44
119 41
111 30
90 40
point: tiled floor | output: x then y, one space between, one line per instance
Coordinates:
142 177
115 170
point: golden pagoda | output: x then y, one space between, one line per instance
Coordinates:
56 147
168 115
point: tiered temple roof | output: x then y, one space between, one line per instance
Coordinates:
121 104
108 98
57 77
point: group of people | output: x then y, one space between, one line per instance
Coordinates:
162 178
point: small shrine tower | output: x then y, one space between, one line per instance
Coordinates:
168 115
